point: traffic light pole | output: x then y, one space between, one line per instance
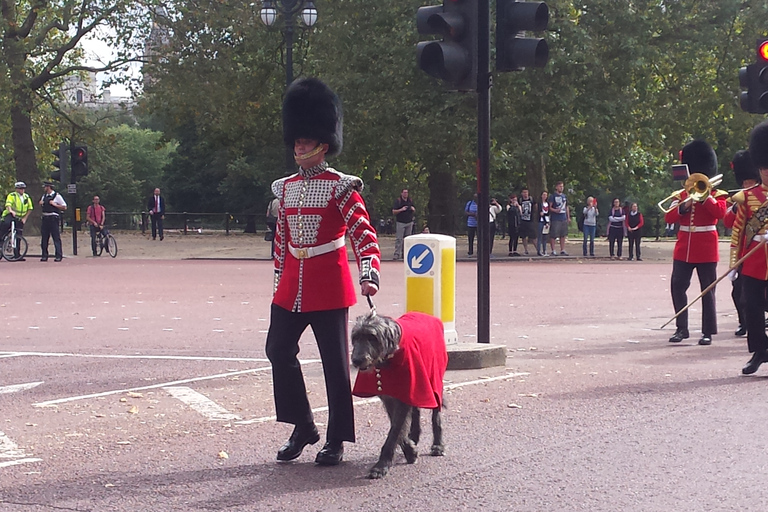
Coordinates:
483 171
73 199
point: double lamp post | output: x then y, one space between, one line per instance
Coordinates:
288 9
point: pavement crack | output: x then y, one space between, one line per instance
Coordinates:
43 505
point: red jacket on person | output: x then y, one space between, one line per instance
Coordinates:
748 203
697 236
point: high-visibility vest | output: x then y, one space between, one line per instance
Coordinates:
20 204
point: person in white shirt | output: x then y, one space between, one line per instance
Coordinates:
493 211
52 204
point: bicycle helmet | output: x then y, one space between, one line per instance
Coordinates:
20 184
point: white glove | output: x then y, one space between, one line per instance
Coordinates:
765 237
733 275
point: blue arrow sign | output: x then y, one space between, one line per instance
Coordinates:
420 259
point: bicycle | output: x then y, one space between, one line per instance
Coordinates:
105 240
12 244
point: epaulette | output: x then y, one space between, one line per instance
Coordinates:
346 182
717 193
279 185
739 197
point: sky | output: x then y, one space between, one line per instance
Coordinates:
96 51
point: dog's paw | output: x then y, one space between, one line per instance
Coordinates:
437 450
377 472
410 451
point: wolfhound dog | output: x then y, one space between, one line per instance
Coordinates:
403 362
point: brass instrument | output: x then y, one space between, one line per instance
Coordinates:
697 185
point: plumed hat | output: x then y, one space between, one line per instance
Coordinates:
311 110
743 168
758 145
700 157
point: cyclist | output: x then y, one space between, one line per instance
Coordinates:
18 206
95 216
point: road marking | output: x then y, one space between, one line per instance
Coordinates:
10 450
201 403
366 401
18 387
155 386
128 356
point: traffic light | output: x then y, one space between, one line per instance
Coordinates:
80 160
514 52
454 58
754 78
60 164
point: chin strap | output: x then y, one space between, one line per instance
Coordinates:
307 156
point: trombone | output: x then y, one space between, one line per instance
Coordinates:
697 185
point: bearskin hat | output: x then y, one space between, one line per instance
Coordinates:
743 168
758 145
700 157
311 110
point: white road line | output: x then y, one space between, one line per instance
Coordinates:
201 403
18 387
136 356
366 401
18 461
155 386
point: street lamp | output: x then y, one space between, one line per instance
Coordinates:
288 9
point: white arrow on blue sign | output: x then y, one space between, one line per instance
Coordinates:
420 259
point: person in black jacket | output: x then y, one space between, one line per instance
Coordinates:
514 213
156 207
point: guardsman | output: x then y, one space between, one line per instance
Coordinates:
749 230
697 239
747 177
319 206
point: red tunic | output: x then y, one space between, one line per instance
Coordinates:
317 206
415 373
749 202
694 244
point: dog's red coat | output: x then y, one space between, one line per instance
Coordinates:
415 373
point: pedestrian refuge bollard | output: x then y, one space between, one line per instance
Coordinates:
430 279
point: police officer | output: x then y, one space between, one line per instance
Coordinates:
52 204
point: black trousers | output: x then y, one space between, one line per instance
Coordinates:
633 237
291 402
157 225
471 232
754 302
513 237
615 235
50 229
681 280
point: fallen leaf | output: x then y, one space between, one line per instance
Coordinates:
529 395
515 406
123 442
223 455
133 410
123 399
133 394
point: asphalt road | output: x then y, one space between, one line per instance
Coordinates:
142 385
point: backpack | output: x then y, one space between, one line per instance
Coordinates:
580 222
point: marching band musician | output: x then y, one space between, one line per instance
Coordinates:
747 177
313 282
749 230
696 246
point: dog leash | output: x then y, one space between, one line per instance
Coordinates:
370 304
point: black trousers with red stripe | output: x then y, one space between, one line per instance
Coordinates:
291 402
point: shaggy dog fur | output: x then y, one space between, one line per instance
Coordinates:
375 339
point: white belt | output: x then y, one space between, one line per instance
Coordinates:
692 229
310 252
758 238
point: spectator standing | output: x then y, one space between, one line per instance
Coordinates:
95 217
272 212
471 210
616 220
514 213
634 225
528 221
403 211
18 206
543 231
156 207
590 225
493 211
52 203
560 218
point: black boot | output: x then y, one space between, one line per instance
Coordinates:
679 336
754 363
331 454
741 331
301 437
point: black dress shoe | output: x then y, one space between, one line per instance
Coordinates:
56 259
331 454
758 358
301 437
44 258
741 331
679 336
705 340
